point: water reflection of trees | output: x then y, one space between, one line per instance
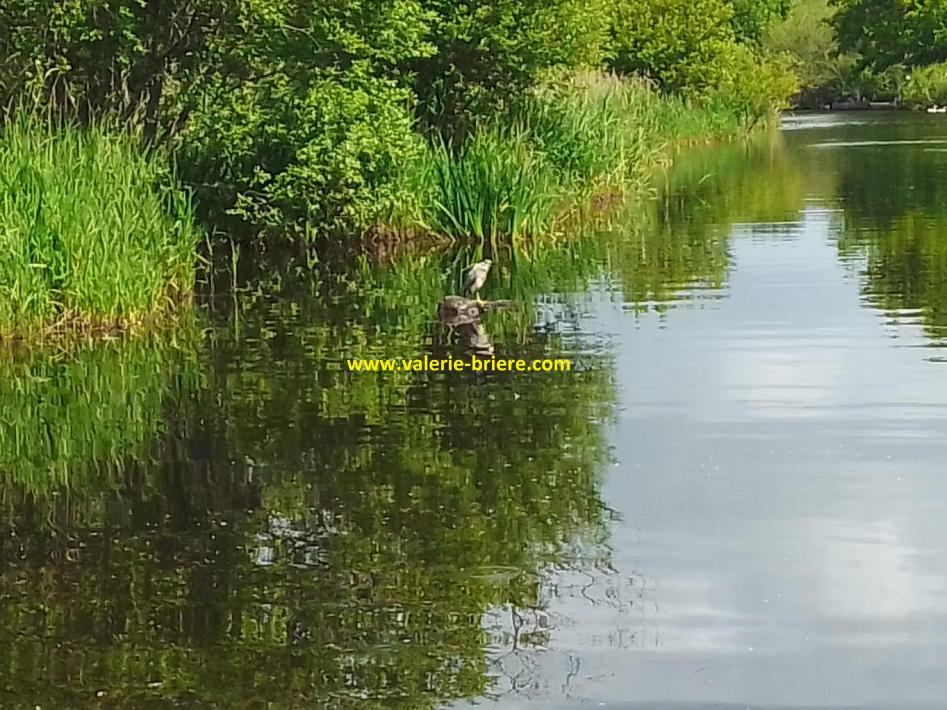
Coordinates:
895 218
254 526
682 242
293 534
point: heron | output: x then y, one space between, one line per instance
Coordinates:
476 277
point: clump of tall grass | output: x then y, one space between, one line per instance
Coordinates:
93 232
516 176
497 183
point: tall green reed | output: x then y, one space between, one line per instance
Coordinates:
92 230
497 183
519 176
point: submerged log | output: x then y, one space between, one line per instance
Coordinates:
457 310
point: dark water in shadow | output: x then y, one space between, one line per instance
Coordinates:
735 500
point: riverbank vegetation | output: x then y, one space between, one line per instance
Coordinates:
861 51
298 120
293 122
586 137
93 234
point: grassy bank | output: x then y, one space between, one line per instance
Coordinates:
293 122
93 235
573 146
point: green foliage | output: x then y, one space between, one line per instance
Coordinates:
753 18
695 48
286 114
302 117
927 85
295 119
88 59
92 232
294 153
884 33
488 53
568 142
807 38
680 44
755 87
596 129
828 73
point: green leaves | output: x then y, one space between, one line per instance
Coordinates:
890 32
297 117
678 43
753 18
488 53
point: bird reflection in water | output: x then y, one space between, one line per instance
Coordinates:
463 317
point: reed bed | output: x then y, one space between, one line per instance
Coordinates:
519 177
93 233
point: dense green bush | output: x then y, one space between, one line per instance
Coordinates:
681 44
297 117
927 85
883 33
488 53
755 87
702 47
288 155
752 19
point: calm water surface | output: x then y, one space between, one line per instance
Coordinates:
736 500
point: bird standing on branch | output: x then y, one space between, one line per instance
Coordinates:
476 277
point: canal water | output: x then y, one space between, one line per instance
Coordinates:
736 499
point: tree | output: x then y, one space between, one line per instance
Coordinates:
885 33
88 59
678 43
752 18
489 51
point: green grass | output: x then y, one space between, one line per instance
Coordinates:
92 232
497 184
519 177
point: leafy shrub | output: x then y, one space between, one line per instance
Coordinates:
752 19
680 44
927 85
755 87
289 156
489 53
